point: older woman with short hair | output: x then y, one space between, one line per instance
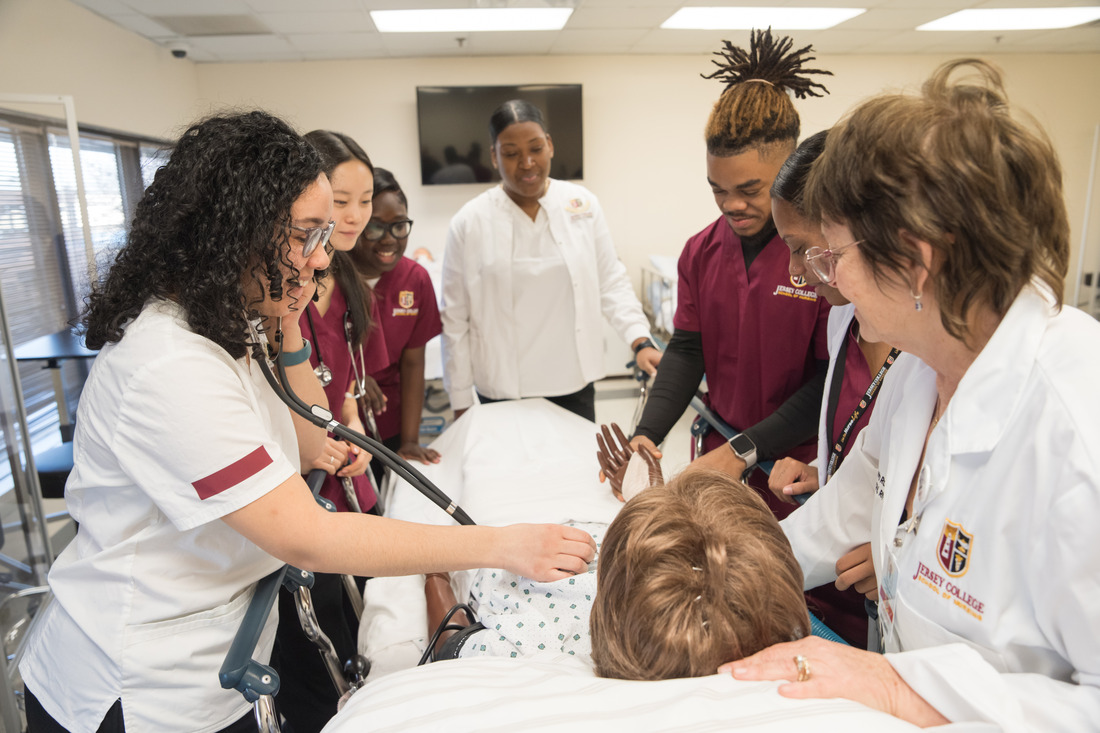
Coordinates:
977 480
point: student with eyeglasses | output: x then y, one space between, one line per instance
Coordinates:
187 466
406 316
858 368
336 323
528 271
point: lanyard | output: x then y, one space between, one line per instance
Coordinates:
836 447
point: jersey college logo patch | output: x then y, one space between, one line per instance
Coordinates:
405 299
798 281
954 549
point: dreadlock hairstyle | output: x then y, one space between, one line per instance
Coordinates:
216 215
337 148
692 574
755 110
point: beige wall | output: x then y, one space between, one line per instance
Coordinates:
117 78
643 115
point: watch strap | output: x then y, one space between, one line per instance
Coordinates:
293 358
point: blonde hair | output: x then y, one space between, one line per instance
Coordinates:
952 167
693 574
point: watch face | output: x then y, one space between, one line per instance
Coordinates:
742 444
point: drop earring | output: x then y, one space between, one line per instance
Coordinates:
917 305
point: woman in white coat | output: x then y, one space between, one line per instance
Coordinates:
528 270
977 482
187 478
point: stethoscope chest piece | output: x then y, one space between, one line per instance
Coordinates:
324 374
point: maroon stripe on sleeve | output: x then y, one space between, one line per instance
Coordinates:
232 474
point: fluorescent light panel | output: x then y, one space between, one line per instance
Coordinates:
783 18
1012 19
470 20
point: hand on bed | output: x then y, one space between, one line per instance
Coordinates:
614 456
837 670
546 552
413 451
790 477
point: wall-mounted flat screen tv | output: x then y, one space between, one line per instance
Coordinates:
454 129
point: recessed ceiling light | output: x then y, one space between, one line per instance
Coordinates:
706 19
1012 19
470 20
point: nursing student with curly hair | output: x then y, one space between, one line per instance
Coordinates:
187 481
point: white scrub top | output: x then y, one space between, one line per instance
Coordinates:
990 593
172 435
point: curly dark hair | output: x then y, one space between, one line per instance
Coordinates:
216 213
754 109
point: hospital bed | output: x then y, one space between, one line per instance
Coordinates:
530 461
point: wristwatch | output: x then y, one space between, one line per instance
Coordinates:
745 449
646 344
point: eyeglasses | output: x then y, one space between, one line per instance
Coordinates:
823 261
398 229
314 236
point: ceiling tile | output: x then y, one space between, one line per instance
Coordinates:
335 24
143 25
597 41
191 7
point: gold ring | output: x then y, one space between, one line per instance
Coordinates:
803 665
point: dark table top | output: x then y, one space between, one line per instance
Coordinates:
53 348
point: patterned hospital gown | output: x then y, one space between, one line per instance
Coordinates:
523 617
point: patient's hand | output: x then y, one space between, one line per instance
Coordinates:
856 570
546 552
614 455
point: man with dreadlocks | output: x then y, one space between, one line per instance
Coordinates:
756 332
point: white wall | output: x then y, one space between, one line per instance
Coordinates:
643 115
118 79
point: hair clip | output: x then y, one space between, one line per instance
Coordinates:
698 598
695 568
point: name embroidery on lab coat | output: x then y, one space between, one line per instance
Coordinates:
953 554
406 299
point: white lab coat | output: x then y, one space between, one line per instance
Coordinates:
479 330
1006 629
173 434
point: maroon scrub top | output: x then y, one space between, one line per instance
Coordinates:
328 340
761 332
407 313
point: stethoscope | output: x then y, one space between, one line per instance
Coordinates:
323 418
324 374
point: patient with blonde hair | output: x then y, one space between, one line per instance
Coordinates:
691 574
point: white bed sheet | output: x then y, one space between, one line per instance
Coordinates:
506 462
532 461
495 694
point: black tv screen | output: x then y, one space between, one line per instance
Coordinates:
454 129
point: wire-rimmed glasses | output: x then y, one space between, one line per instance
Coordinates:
823 261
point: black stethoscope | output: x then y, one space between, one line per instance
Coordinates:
324 374
323 418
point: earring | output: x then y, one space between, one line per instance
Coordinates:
917 305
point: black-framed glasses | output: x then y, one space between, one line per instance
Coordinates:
314 237
398 229
823 261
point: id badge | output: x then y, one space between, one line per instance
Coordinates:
887 595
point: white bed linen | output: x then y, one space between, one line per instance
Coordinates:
561 693
532 461
506 462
